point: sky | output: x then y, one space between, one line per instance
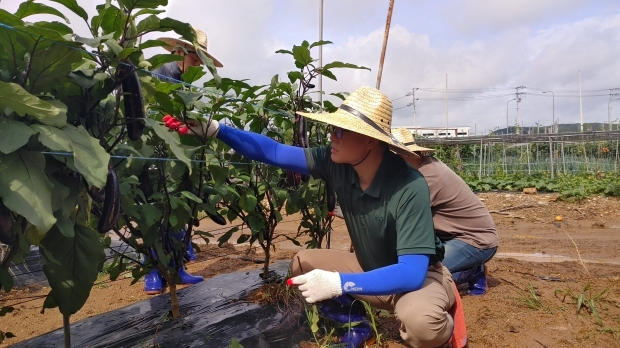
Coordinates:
485 49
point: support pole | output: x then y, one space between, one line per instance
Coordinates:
563 159
385 40
527 150
481 154
551 155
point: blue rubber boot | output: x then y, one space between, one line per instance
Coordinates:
357 330
153 283
190 255
187 278
476 278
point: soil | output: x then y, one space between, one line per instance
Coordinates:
539 261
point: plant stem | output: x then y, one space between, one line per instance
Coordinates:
67 328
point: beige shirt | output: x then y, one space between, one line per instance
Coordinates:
457 211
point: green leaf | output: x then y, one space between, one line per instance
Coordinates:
95 41
320 43
79 257
295 75
333 65
188 97
256 223
61 28
193 73
191 196
184 29
302 56
22 102
82 79
226 236
161 59
131 4
328 74
50 64
13 135
26 189
284 52
248 202
90 159
74 7
59 120
10 19
148 24
172 139
153 43
30 8
235 344
64 225
220 174
110 19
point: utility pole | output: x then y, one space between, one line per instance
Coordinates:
580 106
518 98
415 124
446 104
611 95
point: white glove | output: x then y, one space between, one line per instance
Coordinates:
318 285
195 127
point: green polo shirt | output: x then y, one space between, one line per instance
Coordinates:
391 218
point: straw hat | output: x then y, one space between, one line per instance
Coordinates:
405 136
201 42
366 111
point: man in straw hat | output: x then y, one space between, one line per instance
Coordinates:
174 70
385 203
461 221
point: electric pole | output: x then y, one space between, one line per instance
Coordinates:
415 124
518 95
611 95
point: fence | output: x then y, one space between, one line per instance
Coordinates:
566 153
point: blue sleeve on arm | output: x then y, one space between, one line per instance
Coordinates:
260 148
405 276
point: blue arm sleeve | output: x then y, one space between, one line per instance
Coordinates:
405 276
260 148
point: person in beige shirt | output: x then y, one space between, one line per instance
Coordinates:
461 221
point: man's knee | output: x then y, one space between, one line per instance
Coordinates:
301 263
425 330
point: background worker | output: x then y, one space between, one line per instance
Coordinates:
173 71
461 220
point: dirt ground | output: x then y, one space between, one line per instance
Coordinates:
539 261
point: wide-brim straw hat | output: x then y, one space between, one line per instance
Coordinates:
405 136
366 111
201 41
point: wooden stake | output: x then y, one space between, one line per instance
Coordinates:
385 39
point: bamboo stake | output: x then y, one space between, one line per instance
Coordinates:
385 39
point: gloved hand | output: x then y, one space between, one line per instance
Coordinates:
197 127
318 285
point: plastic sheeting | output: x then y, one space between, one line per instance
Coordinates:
212 314
30 272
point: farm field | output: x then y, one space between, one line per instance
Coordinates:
536 265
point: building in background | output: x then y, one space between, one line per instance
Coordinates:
438 132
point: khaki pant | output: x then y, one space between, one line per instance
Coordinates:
424 317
